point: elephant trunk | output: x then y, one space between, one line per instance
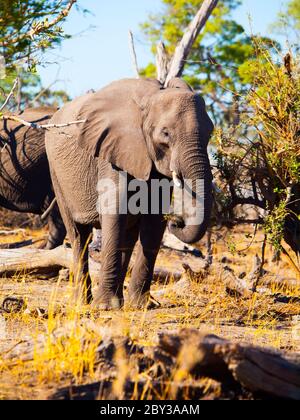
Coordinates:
195 170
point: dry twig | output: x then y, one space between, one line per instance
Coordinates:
15 85
38 126
133 55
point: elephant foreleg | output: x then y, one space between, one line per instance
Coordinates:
113 263
151 234
132 235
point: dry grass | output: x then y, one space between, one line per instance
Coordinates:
66 338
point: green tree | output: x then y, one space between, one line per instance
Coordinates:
29 27
289 19
31 92
263 168
219 57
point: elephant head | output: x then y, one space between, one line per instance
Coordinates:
138 125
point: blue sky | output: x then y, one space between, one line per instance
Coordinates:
100 55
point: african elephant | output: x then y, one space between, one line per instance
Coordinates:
25 183
148 132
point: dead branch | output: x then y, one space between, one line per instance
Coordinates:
162 63
133 55
18 245
49 210
36 126
258 268
15 85
256 369
28 260
184 47
12 232
233 367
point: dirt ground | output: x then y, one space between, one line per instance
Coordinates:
268 318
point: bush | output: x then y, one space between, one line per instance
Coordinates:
258 160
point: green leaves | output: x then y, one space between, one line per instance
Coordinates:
32 91
275 223
289 18
219 57
28 26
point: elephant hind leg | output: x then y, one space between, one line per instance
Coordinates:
81 238
57 230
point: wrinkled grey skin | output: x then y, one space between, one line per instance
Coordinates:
147 131
25 183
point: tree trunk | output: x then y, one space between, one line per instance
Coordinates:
184 47
256 369
262 373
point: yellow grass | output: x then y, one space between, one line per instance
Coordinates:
65 344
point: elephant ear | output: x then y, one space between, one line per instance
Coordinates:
113 127
178 83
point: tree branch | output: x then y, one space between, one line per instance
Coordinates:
38 126
16 83
184 47
133 55
41 26
162 63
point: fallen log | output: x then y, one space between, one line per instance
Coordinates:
259 370
134 390
26 260
18 245
39 260
238 371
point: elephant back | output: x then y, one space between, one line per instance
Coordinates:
111 124
23 146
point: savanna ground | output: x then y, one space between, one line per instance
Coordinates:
71 336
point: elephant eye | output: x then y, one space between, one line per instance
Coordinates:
165 133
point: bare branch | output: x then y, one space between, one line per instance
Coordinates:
162 63
38 126
184 47
49 209
16 83
239 221
133 55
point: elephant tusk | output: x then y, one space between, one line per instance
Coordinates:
49 210
176 180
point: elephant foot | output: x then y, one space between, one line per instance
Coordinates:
113 303
145 301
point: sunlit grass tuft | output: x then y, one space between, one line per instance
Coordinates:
66 341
